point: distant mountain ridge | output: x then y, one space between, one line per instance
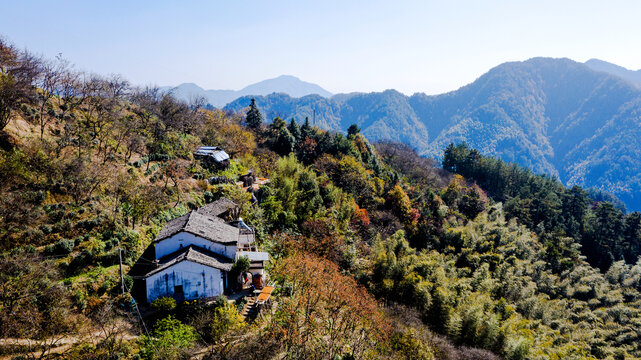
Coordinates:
629 75
218 98
555 116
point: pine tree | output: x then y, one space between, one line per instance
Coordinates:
632 237
306 130
294 130
353 130
254 118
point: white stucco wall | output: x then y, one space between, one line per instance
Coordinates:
172 244
197 280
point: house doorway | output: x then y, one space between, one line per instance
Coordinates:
179 294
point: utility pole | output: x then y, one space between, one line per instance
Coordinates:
122 279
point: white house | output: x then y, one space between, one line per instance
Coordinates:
194 253
191 273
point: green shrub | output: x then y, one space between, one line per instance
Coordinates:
164 303
209 197
241 265
62 247
26 249
170 339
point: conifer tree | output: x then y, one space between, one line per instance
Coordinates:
353 130
306 130
294 130
254 118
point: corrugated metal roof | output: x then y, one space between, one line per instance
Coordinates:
220 156
214 152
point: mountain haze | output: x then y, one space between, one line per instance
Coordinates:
555 116
630 75
218 98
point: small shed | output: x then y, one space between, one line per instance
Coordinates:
212 155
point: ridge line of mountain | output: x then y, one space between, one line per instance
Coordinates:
554 116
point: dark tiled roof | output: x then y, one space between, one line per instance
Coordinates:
173 227
143 265
193 254
217 207
204 226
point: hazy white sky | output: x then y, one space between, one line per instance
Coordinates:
344 46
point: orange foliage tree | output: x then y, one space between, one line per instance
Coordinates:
321 239
361 219
328 314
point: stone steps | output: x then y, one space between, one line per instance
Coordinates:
250 310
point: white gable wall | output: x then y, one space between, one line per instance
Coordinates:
196 279
173 244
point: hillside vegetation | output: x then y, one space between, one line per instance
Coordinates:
553 116
377 253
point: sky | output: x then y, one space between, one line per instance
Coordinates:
343 46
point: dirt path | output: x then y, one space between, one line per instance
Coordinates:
56 345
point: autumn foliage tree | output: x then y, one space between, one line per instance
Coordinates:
226 132
401 205
328 314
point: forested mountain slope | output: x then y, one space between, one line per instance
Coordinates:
554 116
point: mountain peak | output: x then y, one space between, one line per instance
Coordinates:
289 84
286 77
190 86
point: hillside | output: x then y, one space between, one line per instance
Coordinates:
374 252
554 116
218 98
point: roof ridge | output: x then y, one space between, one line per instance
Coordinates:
206 226
164 234
195 212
